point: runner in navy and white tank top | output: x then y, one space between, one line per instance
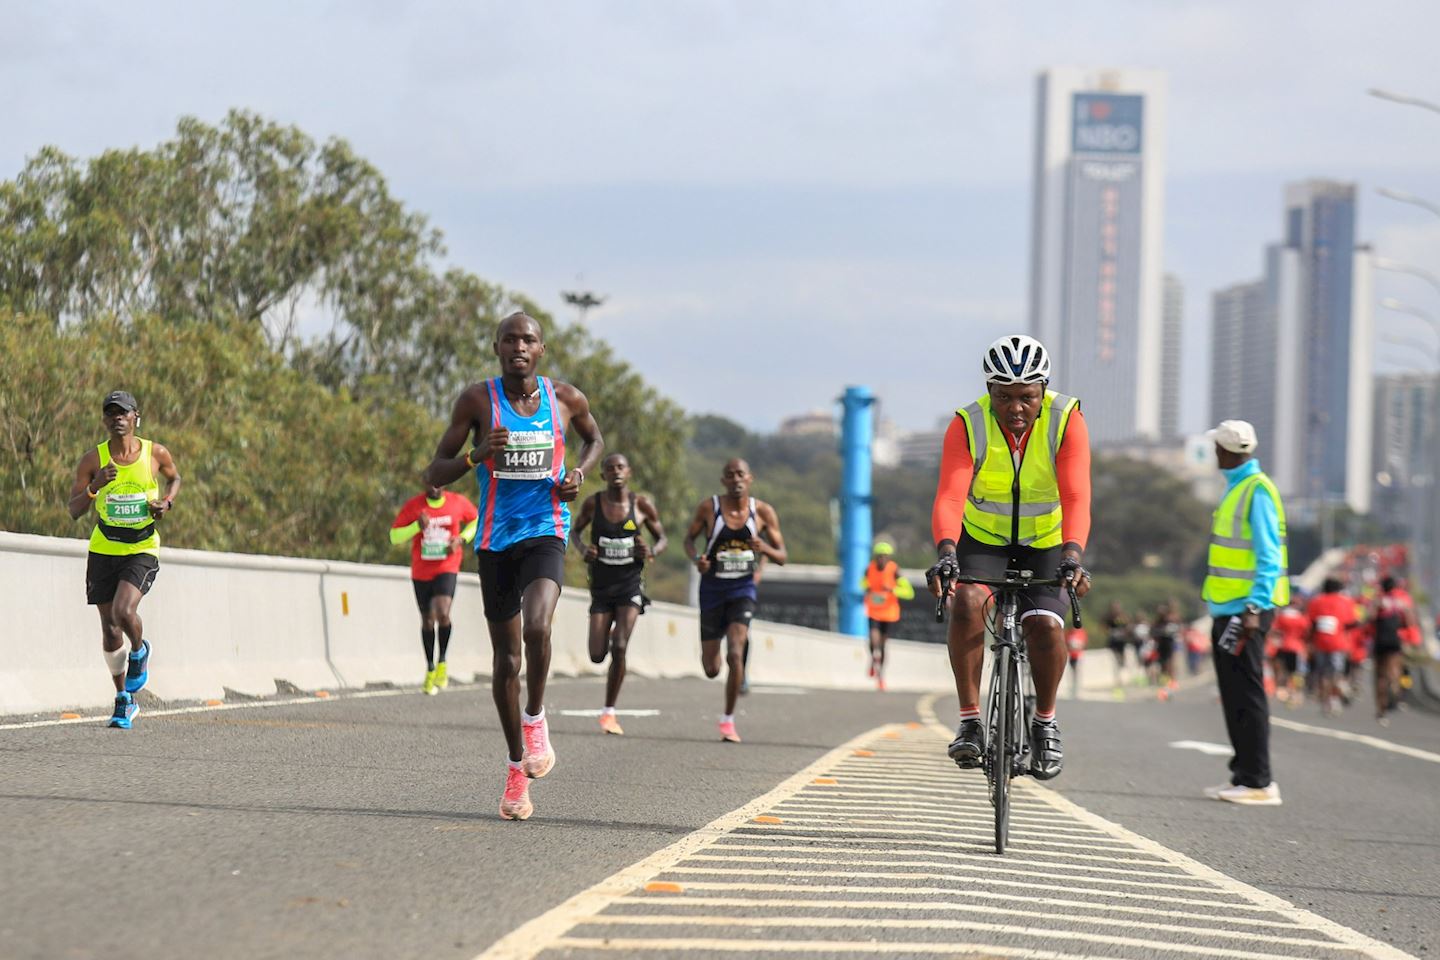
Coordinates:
518 421
739 532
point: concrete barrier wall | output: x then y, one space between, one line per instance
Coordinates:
225 624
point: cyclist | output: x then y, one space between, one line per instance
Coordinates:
1014 492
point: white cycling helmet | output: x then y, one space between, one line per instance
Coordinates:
1017 359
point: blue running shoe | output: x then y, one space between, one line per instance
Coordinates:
137 671
125 710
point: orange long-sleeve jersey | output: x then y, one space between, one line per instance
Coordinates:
1072 471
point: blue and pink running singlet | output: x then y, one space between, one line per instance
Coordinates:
518 497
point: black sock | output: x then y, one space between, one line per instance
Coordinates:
444 641
427 637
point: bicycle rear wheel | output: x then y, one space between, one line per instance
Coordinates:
1002 696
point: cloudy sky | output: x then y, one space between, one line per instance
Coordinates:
777 198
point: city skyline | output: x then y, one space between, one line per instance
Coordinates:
877 172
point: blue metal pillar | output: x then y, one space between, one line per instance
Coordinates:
857 428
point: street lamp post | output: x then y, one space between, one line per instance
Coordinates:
582 300
1426 543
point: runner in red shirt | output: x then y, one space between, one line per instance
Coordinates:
1332 615
1289 632
1075 643
437 524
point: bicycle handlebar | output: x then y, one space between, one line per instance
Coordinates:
947 584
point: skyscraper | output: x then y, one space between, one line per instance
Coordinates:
1292 353
1172 330
1095 260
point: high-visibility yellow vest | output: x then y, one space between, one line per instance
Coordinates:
1232 546
1009 508
125 526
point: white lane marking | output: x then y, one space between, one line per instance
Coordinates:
1007 897
529 938
961 882
1364 738
851 889
1344 935
218 708
1212 749
987 869
626 945
835 825
951 844
783 691
855 817
974 926
931 907
863 853
597 711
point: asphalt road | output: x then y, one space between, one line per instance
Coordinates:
365 826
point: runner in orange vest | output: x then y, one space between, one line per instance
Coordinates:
884 589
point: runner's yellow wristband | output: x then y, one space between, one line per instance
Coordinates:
468 462
92 496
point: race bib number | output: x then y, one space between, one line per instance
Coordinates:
1329 625
877 599
616 551
734 564
126 508
435 539
530 455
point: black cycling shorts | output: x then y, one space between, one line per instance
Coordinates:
505 574
714 621
978 559
103 574
442 585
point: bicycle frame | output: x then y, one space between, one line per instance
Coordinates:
1008 711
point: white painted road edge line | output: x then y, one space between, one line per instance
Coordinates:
540 933
1341 934
219 707
1364 738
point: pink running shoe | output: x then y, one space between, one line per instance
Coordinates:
515 802
727 731
539 756
609 724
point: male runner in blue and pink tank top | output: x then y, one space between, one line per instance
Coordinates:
741 532
518 421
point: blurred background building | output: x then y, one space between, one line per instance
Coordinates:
1096 294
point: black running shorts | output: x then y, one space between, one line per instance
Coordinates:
714 621
990 561
103 574
629 593
883 626
505 574
442 585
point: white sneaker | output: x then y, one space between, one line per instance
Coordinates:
1214 792
1253 796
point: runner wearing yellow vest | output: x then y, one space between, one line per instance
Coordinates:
121 478
884 589
1246 582
1014 493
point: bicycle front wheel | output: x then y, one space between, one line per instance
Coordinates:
1002 693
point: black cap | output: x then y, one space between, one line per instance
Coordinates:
122 400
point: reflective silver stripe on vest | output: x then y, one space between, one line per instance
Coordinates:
1237 523
978 427
1226 573
1003 508
1057 407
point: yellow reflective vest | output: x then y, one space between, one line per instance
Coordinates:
125 526
1009 506
1233 561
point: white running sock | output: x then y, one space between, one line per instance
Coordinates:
608 711
1045 717
513 764
526 718
728 718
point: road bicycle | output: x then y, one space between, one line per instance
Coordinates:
1008 709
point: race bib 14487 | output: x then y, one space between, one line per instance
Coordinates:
530 455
